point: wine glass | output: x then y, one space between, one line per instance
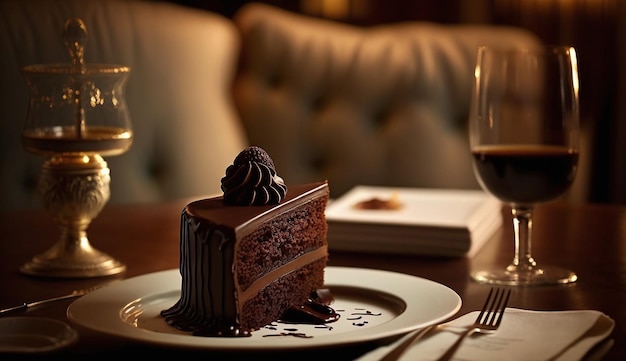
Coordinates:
524 129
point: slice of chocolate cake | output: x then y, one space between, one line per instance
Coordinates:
252 254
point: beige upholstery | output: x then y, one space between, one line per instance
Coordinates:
182 61
382 106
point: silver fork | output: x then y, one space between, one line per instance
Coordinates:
486 322
488 319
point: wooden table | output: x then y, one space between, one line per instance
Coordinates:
590 239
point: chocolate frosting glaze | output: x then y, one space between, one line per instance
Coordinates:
252 180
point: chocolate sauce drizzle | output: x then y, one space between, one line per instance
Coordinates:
359 317
316 310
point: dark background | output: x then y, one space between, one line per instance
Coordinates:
593 27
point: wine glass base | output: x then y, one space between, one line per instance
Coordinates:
538 276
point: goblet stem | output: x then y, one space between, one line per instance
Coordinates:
74 188
522 226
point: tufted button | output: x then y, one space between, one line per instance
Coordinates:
274 80
318 163
318 102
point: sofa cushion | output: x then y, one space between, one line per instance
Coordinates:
384 105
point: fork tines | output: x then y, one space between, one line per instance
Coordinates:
494 307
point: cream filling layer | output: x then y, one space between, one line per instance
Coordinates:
295 264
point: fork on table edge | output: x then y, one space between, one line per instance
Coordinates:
488 321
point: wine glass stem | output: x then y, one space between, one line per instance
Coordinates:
522 226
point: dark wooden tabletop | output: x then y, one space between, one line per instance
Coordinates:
588 238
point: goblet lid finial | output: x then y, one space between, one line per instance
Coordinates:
75 37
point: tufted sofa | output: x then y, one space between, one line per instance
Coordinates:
382 106
385 105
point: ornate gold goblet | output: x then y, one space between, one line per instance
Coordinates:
76 115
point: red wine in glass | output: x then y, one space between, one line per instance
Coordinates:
525 174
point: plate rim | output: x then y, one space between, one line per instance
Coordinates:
109 319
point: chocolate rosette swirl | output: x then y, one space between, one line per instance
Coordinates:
252 180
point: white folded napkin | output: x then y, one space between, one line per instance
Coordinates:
523 335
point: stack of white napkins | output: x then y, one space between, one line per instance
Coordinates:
523 335
441 222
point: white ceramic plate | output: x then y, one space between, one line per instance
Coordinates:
34 334
373 304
